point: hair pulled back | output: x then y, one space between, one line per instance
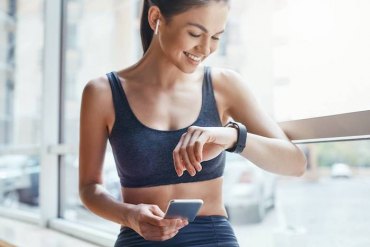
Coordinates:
168 8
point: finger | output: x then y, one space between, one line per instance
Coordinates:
155 217
162 237
154 220
199 144
169 235
179 167
176 224
181 223
157 211
173 234
184 155
156 233
192 151
185 222
158 220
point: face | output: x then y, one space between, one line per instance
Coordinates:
190 37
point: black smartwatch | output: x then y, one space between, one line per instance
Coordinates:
242 137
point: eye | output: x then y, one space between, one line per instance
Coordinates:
194 35
215 38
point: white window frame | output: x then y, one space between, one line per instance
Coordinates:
339 127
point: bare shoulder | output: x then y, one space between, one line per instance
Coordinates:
226 80
226 83
95 111
97 87
241 104
98 95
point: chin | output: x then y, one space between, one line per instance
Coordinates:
188 68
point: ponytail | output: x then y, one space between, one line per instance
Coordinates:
146 31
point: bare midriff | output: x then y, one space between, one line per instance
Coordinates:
209 191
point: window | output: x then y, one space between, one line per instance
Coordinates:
101 36
322 208
21 51
72 207
320 58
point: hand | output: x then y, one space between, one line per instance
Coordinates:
147 220
201 144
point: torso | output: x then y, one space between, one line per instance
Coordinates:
209 191
170 111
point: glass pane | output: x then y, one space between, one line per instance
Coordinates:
302 58
21 50
328 206
101 36
321 58
72 208
19 182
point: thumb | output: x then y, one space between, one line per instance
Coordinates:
157 211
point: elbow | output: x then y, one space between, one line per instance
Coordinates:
300 165
85 193
82 195
297 163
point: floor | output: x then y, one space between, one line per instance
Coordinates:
16 233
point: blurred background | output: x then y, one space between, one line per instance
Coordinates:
307 61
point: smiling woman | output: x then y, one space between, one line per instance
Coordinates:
180 34
166 118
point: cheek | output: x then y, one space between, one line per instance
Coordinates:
214 46
177 42
184 43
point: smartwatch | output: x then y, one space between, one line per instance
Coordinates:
242 137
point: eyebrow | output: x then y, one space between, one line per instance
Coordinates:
201 27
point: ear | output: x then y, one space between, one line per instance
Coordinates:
154 14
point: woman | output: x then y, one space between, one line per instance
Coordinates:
165 118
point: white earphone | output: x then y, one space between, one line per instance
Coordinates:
156 27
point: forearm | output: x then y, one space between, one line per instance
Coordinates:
101 203
275 155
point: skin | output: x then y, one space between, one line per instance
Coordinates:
159 88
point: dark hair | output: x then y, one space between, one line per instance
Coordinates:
168 9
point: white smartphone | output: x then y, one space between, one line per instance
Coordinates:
183 208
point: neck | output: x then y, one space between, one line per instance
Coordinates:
154 68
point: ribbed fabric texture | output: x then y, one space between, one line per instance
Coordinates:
143 155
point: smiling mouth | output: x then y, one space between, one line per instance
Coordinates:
193 57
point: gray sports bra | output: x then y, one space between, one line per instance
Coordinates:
143 155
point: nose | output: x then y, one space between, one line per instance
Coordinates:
205 46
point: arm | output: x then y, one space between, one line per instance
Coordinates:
267 145
93 140
147 220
